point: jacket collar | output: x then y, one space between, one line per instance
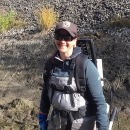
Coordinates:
76 51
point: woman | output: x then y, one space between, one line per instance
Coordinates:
70 109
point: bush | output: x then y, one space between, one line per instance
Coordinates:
117 21
7 20
47 17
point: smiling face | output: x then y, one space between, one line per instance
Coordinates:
63 45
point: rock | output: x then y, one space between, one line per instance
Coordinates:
126 108
1 115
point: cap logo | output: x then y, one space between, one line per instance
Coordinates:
66 24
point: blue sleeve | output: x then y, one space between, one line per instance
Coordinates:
98 99
42 121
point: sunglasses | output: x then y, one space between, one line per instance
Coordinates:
65 37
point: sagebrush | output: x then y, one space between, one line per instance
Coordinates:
116 21
47 17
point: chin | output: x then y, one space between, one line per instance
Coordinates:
62 50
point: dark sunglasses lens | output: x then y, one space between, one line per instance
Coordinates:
58 37
66 38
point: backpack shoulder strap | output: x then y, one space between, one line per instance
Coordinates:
48 68
80 72
80 68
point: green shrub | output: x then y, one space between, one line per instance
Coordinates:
7 20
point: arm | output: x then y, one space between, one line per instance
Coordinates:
44 104
44 108
97 98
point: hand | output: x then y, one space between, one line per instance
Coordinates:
42 121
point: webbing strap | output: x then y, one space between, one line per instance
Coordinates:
72 66
78 65
70 120
66 89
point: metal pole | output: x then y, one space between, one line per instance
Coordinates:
112 118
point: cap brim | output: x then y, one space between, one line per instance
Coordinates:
72 34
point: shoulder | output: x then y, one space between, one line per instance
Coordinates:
82 59
83 56
89 63
91 69
84 62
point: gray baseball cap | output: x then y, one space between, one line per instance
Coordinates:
68 26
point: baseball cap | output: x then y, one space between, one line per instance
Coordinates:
68 26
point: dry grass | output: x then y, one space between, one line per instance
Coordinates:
116 21
123 120
22 104
47 17
119 22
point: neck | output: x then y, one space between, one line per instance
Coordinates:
65 55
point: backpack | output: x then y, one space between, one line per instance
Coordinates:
77 67
77 70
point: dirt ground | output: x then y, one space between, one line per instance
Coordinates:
21 70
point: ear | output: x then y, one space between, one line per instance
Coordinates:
75 42
76 39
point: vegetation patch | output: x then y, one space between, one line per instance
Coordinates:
7 20
47 17
116 21
10 19
21 104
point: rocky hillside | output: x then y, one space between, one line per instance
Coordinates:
23 52
21 70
